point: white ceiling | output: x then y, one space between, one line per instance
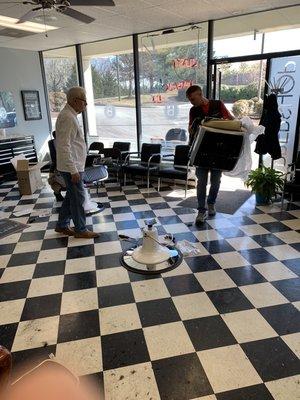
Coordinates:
128 17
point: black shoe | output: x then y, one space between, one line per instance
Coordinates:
58 197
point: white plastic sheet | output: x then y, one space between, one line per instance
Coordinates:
244 164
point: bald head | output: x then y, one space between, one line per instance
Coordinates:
76 98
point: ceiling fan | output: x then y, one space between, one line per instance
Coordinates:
61 6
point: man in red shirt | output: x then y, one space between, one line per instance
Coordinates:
202 107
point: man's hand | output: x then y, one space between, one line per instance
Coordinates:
75 178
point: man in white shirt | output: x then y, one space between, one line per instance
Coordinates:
71 155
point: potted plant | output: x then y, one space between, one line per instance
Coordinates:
265 182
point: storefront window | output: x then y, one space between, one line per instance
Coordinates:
61 75
170 62
264 32
109 81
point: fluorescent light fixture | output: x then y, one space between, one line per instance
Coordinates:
9 22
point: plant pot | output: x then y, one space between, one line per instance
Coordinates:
261 200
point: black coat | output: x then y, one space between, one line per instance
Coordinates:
269 141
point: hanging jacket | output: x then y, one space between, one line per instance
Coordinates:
271 120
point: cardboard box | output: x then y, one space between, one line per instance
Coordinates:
29 176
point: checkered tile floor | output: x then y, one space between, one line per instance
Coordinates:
224 325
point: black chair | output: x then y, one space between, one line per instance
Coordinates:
95 146
117 155
176 134
292 181
147 162
179 169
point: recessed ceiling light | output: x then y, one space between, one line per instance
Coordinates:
9 22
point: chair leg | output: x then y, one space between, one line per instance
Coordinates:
148 180
124 179
97 187
158 186
186 187
282 201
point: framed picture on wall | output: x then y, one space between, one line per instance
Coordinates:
31 105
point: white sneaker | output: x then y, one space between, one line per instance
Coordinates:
211 209
201 217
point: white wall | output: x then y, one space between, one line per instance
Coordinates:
20 70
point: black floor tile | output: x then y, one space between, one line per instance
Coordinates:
245 275
80 281
209 332
117 198
157 312
137 202
42 206
296 246
181 378
217 246
144 214
14 290
121 210
49 269
56 243
78 326
41 307
29 236
189 236
257 256
173 219
267 240
80 251
275 227
256 392
229 233
108 261
290 288
293 265
183 284
115 295
23 259
229 300
202 263
159 206
51 224
272 358
134 277
7 335
184 210
284 319
107 237
6 249
127 225
123 349
282 216
239 221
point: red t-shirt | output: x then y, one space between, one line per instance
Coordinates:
195 111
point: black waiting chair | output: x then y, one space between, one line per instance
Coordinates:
177 134
179 168
146 162
292 181
93 148
116 156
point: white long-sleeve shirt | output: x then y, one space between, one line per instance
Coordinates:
70 144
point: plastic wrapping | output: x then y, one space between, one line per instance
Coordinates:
188 249
244 164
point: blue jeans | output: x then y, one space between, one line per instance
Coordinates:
72 206
215 180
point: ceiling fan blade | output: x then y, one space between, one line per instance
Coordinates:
70 12
28 16
99 3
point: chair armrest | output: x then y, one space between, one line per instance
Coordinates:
168 155
129 154
150 158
